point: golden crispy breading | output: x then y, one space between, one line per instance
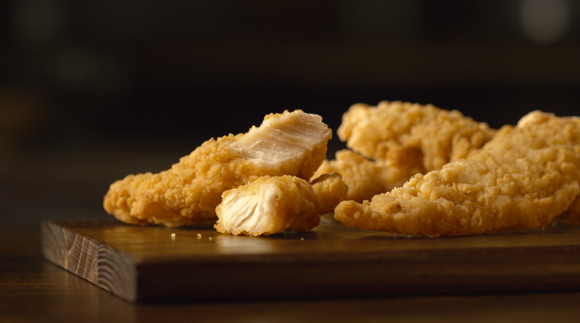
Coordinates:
329 190
292 143
365 178
522 179
411 136
271 205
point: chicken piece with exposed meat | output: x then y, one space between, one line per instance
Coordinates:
411 136
522 179
270 205
291 143
365 178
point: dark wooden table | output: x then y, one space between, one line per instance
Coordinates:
72 185
34 290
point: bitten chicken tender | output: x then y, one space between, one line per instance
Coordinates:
271 205
522 179
291 143
411 136
365 178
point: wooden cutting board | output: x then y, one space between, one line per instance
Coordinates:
158 264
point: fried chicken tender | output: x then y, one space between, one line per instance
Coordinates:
398 140
365 178
291 143
411 136
271 205
522 179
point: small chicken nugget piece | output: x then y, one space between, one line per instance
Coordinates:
365 178
291 143
411 136
270 205
329 190
522 179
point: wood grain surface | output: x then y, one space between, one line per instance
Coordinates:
158 264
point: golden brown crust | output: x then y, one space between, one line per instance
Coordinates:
329 190
365 178
411 136
270 205
522 179
188 193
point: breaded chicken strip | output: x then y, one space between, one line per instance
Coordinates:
411 136
292 143
403 139
365 178
271 205
522 179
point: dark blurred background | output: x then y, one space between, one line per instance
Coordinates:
91 91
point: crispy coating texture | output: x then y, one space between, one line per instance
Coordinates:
329 190
270 205
522 179
291 143
412 136
365 178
